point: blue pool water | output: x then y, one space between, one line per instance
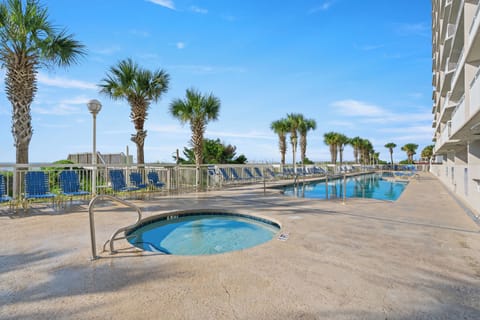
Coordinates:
203 234
364 186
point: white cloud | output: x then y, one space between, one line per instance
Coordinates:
59 110
248 135
369 47
65 83
358 108
198 10
422 29
323 7
180 45
108 51
164 3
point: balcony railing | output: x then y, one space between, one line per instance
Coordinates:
475 93
474 21
458 116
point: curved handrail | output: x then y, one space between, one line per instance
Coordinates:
92 222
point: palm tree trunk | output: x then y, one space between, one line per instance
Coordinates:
391 157
139 140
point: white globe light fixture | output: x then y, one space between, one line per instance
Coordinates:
94 106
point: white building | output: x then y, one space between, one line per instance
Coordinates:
456 97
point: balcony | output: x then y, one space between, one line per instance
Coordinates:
475 93
447 109
447 77
459 116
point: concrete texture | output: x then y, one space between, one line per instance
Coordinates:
416 258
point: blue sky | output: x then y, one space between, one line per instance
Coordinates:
362 68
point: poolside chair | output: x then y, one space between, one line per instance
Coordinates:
3 190
224 174
137 181
271 173
258 172
37 187
117 180
154 180
235 174
249 173
70 184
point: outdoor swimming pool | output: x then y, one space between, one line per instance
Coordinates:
363 186
202 233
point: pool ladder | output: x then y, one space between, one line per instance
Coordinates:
91 211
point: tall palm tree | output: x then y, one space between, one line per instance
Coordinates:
427 152
197 110
294 120
29 41
305 126
140 87
410 149
356 144
330 139
390 146
366 148
342 140
280 127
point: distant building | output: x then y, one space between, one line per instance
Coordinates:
456 97
109 158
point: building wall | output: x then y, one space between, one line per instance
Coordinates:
456 97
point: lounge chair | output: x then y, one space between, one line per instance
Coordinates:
37 187
117 180
154 180
3 190
271 173
249 173
137 181
70 184
235 175
225 175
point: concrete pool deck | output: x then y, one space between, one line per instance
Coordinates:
416 258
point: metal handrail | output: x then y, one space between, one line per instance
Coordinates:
92 222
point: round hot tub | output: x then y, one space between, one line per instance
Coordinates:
202 232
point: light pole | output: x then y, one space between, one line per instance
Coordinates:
94 106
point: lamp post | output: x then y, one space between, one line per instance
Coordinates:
94 106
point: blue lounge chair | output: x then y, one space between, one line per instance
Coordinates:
118 181
154 180
224 174
136 180
258 172
70 184
271 173
249 173
235 174
3 190
37 187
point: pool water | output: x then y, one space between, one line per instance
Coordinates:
202 234
364 186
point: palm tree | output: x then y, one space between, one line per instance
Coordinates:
410 149
197 110
366 148
303 128
294 120
427 152
140 87
29 41
356 143
390 146
342 140
330 139
280 127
